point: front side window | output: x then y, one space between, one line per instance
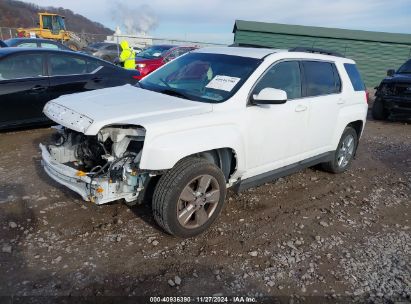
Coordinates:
201 76
321 78
21 66
283 76
66 65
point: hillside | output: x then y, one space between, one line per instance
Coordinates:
16 14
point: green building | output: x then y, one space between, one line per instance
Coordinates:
374 52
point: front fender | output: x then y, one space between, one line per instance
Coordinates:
164 151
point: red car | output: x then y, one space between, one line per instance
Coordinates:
155 56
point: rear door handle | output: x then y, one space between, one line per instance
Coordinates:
300 108
341 101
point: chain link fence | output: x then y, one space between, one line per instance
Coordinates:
133 40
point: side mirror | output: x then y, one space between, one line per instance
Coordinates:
390 72
269 96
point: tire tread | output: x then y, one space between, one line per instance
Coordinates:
166 184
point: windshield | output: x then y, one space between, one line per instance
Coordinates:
154 51
201 77
405 68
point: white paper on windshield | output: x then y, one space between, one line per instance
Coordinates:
156 54
224 83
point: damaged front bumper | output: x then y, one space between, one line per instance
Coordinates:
99 190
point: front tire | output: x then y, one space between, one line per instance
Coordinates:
189 197
378 112
344 154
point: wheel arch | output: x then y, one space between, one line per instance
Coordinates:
224 158
358 126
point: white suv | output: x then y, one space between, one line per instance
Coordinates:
211 119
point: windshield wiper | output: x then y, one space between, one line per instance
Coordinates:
175 93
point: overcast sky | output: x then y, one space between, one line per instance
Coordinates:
213 20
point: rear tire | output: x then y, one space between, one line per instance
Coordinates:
378 111
344 154
189 197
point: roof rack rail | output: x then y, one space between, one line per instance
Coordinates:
316 51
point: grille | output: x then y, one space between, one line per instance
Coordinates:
403 89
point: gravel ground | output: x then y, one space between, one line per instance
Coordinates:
338 237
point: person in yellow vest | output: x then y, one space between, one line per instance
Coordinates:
127 56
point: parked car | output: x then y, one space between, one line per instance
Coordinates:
136 49
105 50
211 119
155 56
393 95
36 43
30 77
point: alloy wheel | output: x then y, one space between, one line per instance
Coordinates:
198 201
346 151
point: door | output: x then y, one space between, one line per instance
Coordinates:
322 90
70 73
276 133
23 89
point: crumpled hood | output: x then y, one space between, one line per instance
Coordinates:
88 112
400 78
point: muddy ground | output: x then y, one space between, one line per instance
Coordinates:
310 234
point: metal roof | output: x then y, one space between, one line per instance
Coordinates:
313 31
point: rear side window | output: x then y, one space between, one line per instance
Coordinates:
93 65
321 78
67 65
27 44
21 66
112 48
354 76
48 45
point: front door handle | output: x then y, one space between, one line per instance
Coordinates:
38 89
97 79
300 108
341 101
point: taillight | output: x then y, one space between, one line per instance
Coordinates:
136 77
367 96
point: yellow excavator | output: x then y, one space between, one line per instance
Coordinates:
52 26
